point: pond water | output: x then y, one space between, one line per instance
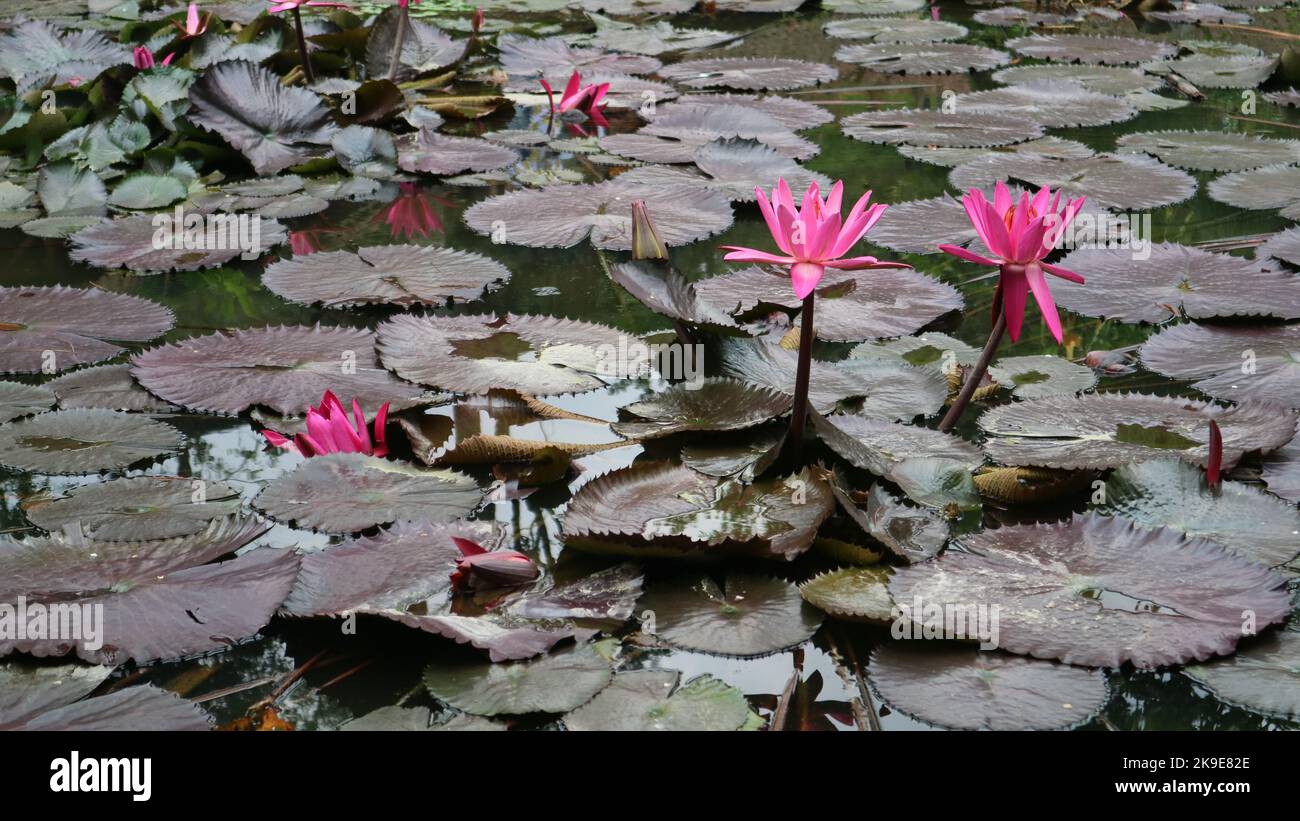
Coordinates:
382 664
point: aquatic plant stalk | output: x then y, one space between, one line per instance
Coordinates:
972 383
799 410
302 47
403 21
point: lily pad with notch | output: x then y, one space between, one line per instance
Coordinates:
135 509
1098 591
746 616
84 441
403 275
349 492
72 324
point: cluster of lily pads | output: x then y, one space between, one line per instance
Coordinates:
731 515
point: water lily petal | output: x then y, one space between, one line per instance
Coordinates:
1043 296
1015 290
969 256
805 276
739 254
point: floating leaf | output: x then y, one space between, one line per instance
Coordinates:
1261 676
527 58
533 354
877 445
425 47
747 616
1082 48
1222 356
108 387
743 457
1123 181
855 594
1033 377
561 216
1114 80
1012 16
1175 279
923 58
651 700
286 369
556 683
877 389
402 275
433 153
1268 188
873 6
18 400
793 113
132 242
139 508
964 689
1209 71
1048 103
1213 150
490 450
84 441
1199 13
68 190
1282 471
851 305
930 348
606 595
937 482
1171 493
748 73
961 129
349 492
131 709
273 125
1284 245
160 598
734 168
1112 429
664 290
894 30
35 51
60 328
652 39
712 405
365 152
1100 591
657 508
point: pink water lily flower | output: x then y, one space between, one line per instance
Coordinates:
278 6
329 430
193 26
575 96
482 568
1019 236
813 237
144 58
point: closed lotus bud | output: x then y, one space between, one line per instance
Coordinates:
143 58
646 243
1215 464
479 568
476 22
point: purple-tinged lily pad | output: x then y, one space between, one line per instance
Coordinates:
667 292
923 58
1123 181
349 492
56 328
1111 429
1116 81
651 39
1175 279
1171 493
1199 13
652 700
561 216
1211 71
84 441
791 112
931 348
963 688
286 369
130 242
273 125
878 445
748 73
161 599
952 157
605 595
45 698
425 47
657 508
555 683
1284 245
961 129
1235 364
679 136
1281 472
1048 103
716 404
734 168
135 509
429 152
1212 150
539 355
851 305
1261 676
1260 189
529 58
403 275
746 616
1101 592
894 30
1083 48
1012 16
107 387
18 400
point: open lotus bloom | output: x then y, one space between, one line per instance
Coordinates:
577 98
813 237
193 26
329 430
481 568
1019 235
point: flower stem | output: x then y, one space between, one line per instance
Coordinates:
799 410
396 61
976 374
302 48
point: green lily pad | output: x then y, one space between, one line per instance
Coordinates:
556 683
652 700
1034 377
854 593
938 482
747 616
